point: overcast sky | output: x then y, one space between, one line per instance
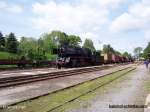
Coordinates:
125 24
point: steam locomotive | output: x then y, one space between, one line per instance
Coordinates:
69 56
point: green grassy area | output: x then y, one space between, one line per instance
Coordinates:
6 55
147 85
7 66
52 100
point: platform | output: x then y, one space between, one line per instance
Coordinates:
16 73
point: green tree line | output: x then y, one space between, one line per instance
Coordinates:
142 53
42 48
146 52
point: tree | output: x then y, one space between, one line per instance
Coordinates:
74 40
126 54
117 52
47 42
32 48
146 51
89 44
52 40
137 51
23 45
108 49
11 43
59 37
2 41
27 44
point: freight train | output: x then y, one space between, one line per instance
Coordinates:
69 56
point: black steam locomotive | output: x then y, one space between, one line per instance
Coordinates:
69 56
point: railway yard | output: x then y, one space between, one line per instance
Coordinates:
74 56
84 89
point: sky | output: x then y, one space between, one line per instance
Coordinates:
125 24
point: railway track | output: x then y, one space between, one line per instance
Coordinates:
26 70
82 94
17 70
14 81
94 89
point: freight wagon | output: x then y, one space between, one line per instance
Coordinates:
107 58
24 63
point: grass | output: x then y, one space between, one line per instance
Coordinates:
6 55
52 100
7 66
147 85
